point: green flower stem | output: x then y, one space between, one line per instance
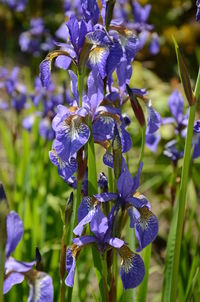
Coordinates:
93 189
142 290
183 192
142 144
2 264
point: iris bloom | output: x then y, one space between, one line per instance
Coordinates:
41 288
132 266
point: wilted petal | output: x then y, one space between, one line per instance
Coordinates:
41 287
15 231
132 268
45 73
70 267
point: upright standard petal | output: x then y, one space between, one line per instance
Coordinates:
85 214
99 224
90 10
176 104
153 119
15 231
132 268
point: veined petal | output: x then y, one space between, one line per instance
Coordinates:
132 268
65 168
103 127
73 133
98 58
41 287
62 114
70 267
146 227
15 231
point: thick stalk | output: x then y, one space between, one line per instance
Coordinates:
142 144
183 192
142 290
93 189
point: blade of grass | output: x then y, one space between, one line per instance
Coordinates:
182 194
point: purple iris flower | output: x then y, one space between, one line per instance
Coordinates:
198 10
141 217
90 10
72 131
141 14
37 39
18 5
176 105
196 139
154 45
131 266
67 168
171 151
15 90
41 288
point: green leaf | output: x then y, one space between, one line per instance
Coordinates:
184 75
166 292
142 290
